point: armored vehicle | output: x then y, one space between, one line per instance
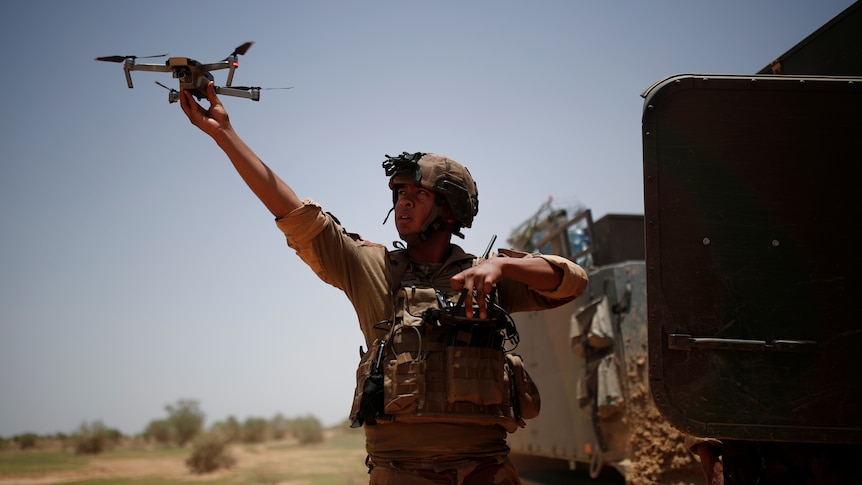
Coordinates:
751 208
725 311
589 359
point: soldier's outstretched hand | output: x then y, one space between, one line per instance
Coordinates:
211 120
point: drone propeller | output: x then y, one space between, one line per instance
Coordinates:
123 58
173 95
241 50
162 85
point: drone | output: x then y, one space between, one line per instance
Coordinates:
193 75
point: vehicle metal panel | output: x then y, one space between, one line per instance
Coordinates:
751 189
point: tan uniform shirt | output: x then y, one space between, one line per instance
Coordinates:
362 270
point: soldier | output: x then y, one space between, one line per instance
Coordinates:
434 387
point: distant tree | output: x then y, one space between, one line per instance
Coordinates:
159 430
92 438
229 429
278 427
307 430
25 441
115 436
254 430
187 420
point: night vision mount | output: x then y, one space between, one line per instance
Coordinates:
406 162
193 75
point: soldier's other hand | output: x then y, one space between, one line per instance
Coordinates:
478 282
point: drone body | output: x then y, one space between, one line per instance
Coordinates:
192 75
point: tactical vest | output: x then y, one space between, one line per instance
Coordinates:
434 365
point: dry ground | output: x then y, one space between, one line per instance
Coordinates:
339 460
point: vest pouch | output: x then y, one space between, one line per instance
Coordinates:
414 303
527 401
476 375
368 395
403 384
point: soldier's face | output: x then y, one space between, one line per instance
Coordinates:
413 206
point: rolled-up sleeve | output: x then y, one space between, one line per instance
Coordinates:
300 227
574 281
518 297
302 224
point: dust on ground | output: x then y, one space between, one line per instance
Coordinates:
657 449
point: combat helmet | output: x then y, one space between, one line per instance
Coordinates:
450 180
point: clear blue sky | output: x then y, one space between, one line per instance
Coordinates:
136 269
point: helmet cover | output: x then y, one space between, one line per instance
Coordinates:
446 177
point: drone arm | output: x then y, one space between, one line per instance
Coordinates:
250 93
230 73
128 67
131 66
232 65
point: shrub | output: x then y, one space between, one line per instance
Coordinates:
229 429
278 427
307 430
92 438
209 453
186 420
26 441
254 430
159 430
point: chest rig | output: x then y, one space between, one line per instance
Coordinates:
434 364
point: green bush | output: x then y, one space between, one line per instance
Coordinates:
159 430
209 453
254 430
26 441
229 429
187 420
307 430
94 438
278 427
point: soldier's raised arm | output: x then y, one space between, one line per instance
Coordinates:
275 194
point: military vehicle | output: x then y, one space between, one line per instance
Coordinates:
751 190
589 360
725 311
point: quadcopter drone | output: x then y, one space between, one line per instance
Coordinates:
193 75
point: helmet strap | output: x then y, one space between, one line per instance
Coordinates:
433 224
388 214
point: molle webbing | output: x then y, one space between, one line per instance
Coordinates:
429 375
435 372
